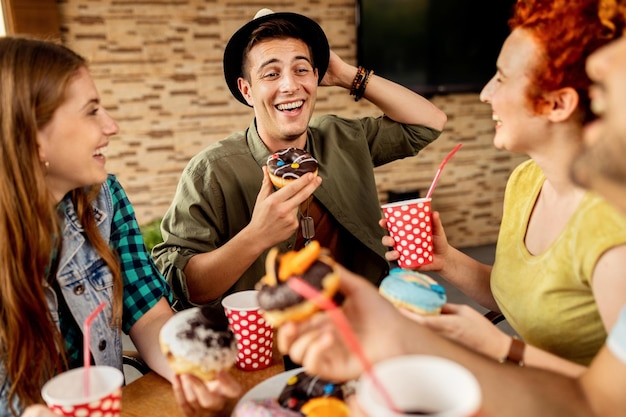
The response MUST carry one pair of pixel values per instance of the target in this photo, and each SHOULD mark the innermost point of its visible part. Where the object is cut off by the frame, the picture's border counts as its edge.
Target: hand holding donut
(275, 215)
(200, 348)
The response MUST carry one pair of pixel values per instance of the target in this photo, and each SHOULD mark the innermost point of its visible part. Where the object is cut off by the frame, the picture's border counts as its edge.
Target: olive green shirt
(218, 190)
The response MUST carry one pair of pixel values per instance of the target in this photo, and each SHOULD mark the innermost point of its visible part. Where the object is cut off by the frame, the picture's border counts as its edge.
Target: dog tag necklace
(307, 224)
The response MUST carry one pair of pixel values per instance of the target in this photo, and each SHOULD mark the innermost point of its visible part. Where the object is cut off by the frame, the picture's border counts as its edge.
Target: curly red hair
(568, 31)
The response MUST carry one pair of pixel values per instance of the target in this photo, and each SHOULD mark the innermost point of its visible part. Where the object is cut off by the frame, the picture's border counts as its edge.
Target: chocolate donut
(290, 164)
(281, 297)
(302, 387)
(280, 303)
(197, 343)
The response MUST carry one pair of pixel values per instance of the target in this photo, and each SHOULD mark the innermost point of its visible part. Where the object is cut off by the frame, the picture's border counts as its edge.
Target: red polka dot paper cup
(66, 393)
(255, 338)
(410, 225)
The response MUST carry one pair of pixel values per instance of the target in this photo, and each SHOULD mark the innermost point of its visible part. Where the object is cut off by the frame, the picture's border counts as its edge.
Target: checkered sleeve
(144, 285)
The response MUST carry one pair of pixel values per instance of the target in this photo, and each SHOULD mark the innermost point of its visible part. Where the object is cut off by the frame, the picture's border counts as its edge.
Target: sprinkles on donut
(289, 164)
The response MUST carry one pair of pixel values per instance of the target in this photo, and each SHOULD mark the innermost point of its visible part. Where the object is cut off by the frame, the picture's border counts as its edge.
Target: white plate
(270, 388)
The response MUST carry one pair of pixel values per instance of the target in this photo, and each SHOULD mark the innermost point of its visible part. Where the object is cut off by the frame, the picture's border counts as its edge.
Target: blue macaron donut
(413, 291)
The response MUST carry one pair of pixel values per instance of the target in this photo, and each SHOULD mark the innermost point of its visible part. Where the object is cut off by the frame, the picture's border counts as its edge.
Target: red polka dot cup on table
(255, 338)
(410, 225)
(66, 395)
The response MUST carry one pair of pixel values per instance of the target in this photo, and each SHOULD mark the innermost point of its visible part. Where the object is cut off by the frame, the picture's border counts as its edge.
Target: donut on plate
(302, 387)
(278, 302)
(289, 164)
(199, 344)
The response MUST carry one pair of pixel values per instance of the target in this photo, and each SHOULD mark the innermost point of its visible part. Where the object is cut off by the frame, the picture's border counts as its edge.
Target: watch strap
(516, 352)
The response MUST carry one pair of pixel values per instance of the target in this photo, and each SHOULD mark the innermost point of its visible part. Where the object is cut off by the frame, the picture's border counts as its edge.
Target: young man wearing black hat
(226, 214)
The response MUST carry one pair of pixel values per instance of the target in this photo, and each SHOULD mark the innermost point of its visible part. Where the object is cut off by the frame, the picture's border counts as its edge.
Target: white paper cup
(431, 385)
(255, 337)
(410, 225)
(65, 393)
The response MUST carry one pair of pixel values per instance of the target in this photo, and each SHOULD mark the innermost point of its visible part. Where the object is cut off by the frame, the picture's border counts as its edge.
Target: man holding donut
(226, 214)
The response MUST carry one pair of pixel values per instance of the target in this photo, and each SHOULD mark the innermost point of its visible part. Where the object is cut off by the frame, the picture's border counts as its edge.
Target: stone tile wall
(157, 64)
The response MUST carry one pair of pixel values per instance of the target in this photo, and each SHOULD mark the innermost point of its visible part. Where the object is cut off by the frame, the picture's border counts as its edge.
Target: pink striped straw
(86, 349)
(443, 163)
(307, 291)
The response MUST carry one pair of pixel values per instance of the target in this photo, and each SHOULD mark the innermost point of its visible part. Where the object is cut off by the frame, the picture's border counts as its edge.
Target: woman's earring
(46, 164)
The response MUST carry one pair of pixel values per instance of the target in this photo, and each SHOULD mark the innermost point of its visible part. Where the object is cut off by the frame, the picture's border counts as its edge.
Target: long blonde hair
(33, 78)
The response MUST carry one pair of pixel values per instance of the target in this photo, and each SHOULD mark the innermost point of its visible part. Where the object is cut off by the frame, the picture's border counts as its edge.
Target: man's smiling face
(282, 89)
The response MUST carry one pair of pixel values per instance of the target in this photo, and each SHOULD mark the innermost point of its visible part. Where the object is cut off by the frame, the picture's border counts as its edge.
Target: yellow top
(548, 298)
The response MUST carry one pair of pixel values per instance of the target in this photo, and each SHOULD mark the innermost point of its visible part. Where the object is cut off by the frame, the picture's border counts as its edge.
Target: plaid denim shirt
(143, 284)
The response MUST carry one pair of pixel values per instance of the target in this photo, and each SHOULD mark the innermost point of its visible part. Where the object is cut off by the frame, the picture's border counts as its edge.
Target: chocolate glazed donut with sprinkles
(303, 387)
(289, 164)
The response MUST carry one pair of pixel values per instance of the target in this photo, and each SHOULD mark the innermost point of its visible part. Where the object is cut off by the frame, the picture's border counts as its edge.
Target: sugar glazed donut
(313, 264)
(196, 343)
(289, 164)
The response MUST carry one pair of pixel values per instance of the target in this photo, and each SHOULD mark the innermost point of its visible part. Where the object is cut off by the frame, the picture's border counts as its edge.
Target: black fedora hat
(312, 34)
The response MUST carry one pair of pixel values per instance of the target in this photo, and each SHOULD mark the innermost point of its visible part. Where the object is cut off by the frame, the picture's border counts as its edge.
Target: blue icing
(413, 288)
(280, 163)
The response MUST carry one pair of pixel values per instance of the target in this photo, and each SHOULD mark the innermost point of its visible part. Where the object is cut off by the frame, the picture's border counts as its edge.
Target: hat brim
(313, 35)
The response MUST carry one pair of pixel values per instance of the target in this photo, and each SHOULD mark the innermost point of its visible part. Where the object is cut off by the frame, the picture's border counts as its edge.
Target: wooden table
(152, 395)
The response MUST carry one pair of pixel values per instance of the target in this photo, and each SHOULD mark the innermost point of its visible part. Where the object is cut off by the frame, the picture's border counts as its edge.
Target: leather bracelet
(516, 352)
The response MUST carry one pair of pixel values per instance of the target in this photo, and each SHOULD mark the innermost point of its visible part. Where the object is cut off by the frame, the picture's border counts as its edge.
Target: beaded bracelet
(359, 83)
(361, 89)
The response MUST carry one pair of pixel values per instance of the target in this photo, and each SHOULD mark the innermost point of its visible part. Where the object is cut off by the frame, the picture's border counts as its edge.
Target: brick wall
(157, 64)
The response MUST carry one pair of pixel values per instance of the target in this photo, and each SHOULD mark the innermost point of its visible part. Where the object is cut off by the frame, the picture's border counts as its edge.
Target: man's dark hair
(274, 29)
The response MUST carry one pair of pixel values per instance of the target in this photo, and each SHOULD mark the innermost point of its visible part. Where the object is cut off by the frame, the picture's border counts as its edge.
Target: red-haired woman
(558, 275)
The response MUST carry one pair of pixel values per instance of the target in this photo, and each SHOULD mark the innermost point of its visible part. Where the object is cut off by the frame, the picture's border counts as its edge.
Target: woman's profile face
(73, 143)
(517, 124)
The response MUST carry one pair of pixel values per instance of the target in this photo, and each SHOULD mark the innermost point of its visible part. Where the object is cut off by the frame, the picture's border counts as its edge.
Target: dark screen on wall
(438, 46)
